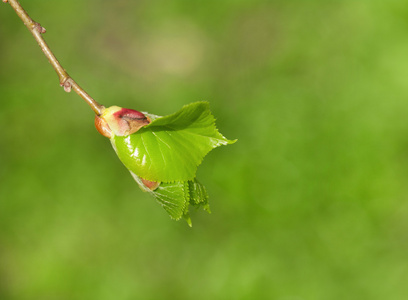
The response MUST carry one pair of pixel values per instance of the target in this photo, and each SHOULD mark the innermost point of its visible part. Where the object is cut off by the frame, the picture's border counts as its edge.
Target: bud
(151, 185)
(120, 121)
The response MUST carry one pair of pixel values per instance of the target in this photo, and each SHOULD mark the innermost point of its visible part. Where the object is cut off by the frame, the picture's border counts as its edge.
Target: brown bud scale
(103, 127)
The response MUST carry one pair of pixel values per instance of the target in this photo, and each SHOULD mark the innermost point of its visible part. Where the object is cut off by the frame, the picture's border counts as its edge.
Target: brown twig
(65, 80)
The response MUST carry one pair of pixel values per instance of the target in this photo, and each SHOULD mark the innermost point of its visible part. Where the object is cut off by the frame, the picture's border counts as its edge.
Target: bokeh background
(311, 203)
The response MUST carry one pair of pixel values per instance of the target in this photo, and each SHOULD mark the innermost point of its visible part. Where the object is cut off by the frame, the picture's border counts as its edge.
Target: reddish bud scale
(151, 185)
(129, 120)
(129, 113)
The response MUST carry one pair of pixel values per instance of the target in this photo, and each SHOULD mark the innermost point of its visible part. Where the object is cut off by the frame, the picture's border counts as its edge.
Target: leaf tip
(188, 220)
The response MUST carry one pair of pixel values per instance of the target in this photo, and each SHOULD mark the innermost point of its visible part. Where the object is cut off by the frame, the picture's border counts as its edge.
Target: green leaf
(198, 194)
(170, 148)
(173, 197)
(176, 197)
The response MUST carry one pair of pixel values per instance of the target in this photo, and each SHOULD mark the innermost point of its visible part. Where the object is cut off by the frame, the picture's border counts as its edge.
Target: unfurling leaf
(163, 153)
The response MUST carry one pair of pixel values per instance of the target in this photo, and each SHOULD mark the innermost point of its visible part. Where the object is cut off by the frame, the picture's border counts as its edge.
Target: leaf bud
(120, 121)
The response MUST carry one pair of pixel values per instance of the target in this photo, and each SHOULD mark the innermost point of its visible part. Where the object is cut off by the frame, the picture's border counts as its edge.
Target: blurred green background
(311, 203)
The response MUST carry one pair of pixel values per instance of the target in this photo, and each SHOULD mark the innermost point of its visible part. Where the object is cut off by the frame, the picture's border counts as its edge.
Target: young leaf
(163, 153)
(171, 148)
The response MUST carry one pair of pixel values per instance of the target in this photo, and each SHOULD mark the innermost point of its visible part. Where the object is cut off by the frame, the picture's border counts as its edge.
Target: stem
(65, 80)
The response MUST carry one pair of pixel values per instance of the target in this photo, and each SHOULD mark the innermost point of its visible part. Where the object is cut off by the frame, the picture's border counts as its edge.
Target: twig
(65, 80)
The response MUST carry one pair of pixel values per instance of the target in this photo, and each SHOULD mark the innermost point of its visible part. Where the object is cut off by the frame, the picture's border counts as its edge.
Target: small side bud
(39, 28)
(67, 85)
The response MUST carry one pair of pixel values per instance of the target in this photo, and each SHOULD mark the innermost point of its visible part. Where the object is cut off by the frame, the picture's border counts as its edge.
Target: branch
(65, 80)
